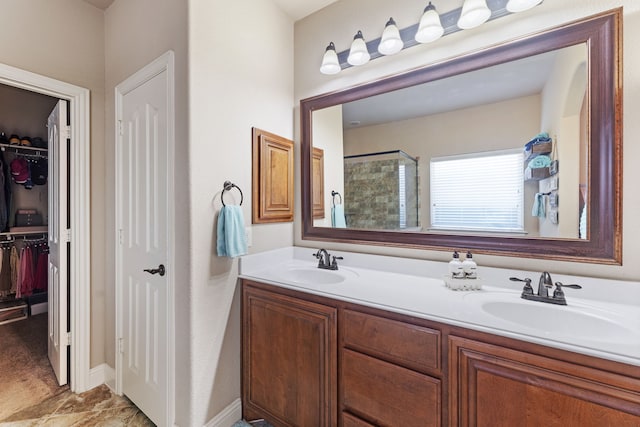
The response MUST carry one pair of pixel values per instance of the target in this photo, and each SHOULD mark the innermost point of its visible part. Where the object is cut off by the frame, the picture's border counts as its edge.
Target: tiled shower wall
(372, 193)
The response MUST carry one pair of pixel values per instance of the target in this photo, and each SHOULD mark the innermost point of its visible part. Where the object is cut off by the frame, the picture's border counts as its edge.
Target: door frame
(80, 212)
(165, 63)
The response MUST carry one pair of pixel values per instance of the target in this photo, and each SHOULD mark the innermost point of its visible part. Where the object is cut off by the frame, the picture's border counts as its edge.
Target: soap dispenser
(455, 267)
(469, 266)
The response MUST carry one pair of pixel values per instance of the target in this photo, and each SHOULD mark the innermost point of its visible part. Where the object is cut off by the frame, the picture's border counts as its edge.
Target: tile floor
(30, 396)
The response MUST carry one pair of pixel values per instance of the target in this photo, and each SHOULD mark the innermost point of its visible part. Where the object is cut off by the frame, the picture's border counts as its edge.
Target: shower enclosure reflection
(381, 191)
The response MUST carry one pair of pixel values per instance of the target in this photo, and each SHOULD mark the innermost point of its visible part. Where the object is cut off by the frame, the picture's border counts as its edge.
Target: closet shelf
(25, 150)
(24, 231)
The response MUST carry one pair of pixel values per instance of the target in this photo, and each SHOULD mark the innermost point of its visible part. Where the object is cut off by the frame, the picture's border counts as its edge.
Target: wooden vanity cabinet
(288, 359)
(495, 386)
(313, 361)
(389, 371)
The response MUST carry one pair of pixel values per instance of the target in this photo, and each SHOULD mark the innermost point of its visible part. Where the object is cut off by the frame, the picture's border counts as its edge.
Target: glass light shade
(390, 42)
(430, 28)
(330, 63)
(358, 54)
(514, 6)
(474, 13)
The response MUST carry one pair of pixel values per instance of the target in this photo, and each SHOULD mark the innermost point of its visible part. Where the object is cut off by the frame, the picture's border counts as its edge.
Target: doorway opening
(74, 230)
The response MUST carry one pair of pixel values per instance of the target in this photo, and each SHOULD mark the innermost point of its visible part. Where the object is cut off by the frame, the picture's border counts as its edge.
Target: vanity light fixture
(430, 28)
(474, 13)
(515, 6)
(330, 63)
(358, 54)
(390, 42)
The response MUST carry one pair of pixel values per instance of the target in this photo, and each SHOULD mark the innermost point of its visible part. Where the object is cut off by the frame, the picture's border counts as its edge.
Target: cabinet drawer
(409, 345)
(388, 395)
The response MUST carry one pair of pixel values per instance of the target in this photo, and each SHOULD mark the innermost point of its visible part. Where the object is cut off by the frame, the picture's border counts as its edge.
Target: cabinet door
(289, 360)
(492, 386)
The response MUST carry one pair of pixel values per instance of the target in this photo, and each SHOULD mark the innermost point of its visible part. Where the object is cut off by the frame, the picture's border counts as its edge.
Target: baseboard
(228, 416)
(101, 374)
(39, 308)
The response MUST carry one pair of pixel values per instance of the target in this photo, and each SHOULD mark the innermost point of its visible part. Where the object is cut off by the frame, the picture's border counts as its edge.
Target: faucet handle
(572, 286)
(558, 294)
(528, 289)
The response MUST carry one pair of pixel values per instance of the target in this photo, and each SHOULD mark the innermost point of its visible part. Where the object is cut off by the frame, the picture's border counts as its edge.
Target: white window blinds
(479, 191)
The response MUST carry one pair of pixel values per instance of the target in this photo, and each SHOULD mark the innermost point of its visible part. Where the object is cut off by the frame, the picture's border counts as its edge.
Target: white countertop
(602, 319)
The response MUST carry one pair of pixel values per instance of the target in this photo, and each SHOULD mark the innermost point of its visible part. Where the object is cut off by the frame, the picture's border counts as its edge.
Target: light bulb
(474, 13)
(330, 63)
(358, 54)
(390, 42)
(430, 28)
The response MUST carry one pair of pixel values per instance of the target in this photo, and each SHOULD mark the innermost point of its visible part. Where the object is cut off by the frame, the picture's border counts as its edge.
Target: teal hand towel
(538, 206)
(337, 217)
(230, 241)
(540, 162)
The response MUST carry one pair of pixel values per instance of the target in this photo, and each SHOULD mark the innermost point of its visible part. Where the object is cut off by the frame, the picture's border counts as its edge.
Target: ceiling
(100, 4)
(296, 9)
(493, 84)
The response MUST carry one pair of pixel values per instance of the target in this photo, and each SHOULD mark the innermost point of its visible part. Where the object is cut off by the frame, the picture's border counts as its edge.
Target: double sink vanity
(383, 341)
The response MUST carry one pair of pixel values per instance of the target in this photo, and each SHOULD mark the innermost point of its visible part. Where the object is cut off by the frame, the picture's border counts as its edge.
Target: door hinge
(65, 132)
(120, 131)
(68, 338)
(66, 235)
(121, 345)
(120, 236)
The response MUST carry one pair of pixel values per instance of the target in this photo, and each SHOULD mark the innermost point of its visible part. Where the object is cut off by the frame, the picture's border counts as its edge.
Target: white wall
(241, 76)
(497, 126)
(136, 33)
(328, 136)
(64, 40)
(339, 21)
(561, 119)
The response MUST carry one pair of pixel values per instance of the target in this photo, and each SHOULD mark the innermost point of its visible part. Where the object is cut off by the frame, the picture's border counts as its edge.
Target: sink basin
(590, 324)
(312, 275)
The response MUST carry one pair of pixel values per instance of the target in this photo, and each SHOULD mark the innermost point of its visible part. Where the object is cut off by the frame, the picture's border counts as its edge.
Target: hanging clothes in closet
(5, 192)
(23, 271)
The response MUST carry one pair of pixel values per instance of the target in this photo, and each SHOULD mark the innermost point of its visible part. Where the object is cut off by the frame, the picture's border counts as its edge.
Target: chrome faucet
(544, 284)
(326, 261)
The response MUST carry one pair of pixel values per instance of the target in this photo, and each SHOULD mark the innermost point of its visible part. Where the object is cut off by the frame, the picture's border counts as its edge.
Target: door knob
(160, 270)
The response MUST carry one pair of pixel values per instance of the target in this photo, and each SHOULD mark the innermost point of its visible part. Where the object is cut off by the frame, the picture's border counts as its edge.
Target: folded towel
(538, 139)
(231, 239)
(541, 161)
(337, 217)
(538, 206)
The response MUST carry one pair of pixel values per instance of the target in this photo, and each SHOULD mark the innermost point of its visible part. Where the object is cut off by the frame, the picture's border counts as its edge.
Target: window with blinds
(478, 191)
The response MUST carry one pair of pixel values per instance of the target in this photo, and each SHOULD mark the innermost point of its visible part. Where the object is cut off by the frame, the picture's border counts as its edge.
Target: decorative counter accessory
(456, 270)
(462, 284)
(469, 266)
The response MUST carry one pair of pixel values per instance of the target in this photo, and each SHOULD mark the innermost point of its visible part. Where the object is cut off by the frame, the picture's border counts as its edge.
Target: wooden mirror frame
(602, 35)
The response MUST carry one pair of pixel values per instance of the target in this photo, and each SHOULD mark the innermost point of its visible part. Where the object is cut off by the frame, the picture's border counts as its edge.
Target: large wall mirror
(513, 150)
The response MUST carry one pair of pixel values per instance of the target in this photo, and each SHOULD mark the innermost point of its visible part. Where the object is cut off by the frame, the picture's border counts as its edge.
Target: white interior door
(144, 215)
(58, 337)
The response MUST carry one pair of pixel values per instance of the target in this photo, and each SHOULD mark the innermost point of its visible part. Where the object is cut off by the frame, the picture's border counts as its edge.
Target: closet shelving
(24, 150)
(15, 309)
(27, 151)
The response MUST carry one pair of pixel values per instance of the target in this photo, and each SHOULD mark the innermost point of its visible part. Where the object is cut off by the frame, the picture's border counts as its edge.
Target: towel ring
(333, 195)
(227, 186)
